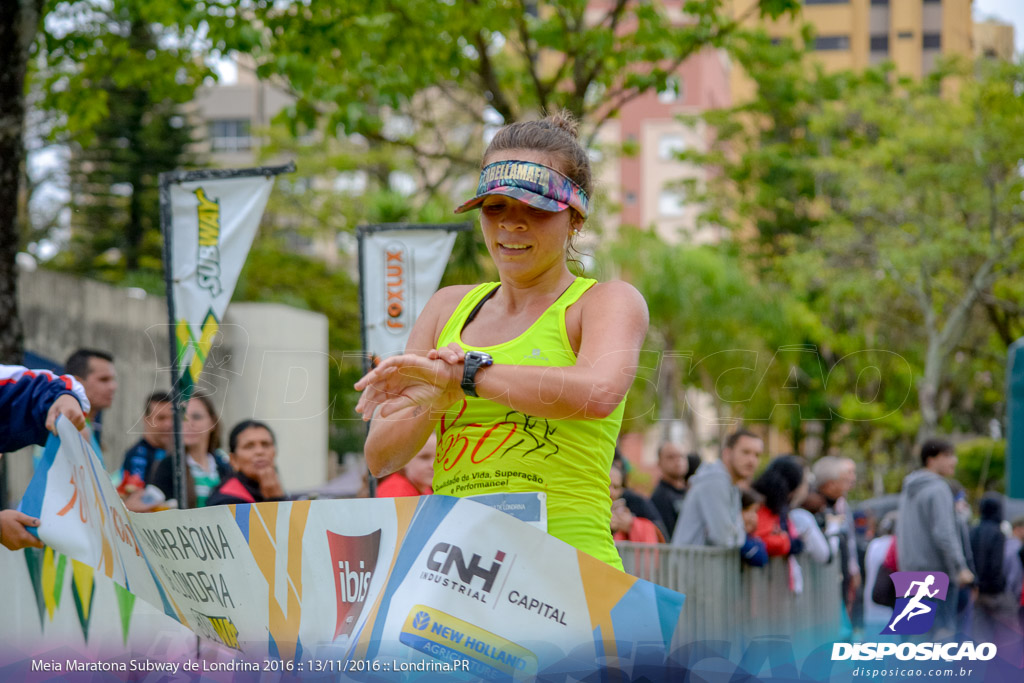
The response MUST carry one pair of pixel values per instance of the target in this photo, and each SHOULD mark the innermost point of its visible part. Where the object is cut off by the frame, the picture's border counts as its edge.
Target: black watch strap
(474, 361)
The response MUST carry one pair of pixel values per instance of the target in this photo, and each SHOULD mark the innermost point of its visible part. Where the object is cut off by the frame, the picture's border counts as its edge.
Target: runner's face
(524, 241)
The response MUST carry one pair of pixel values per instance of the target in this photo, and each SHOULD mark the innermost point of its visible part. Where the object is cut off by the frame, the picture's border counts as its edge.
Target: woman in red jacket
(782, 482)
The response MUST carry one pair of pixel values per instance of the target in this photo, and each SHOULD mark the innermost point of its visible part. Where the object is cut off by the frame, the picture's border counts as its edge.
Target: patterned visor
(533, 184)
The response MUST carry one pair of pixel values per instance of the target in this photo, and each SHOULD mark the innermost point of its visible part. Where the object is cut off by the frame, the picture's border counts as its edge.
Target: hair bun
(564, 120)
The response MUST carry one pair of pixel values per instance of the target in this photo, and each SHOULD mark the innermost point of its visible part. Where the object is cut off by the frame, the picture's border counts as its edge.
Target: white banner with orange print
(400, 270)
(447, 583)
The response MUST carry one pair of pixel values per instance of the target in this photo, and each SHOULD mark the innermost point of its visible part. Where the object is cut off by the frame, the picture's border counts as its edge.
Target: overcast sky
(1009, 11)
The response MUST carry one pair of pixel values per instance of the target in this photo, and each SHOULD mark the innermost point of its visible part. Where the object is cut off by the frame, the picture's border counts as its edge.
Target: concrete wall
(270, 362)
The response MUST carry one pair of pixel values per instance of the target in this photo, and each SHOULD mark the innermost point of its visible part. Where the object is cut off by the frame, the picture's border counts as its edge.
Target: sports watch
(474, 361)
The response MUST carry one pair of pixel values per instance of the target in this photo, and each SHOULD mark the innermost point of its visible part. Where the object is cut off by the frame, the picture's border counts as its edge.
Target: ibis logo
(354, 561)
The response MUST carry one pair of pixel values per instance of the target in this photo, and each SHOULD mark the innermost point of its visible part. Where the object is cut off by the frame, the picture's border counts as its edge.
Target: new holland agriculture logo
(914, 613)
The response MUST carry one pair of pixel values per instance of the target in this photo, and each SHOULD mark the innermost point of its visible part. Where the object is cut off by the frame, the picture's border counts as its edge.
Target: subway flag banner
(400, 268)
(439, 581)
(213, 220)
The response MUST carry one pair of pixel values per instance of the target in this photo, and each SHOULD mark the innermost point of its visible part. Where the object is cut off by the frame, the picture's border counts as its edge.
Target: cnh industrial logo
(917, 601)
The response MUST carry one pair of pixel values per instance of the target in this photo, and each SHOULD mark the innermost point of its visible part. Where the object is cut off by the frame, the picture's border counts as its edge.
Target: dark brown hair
(556, 134)
(214, 442)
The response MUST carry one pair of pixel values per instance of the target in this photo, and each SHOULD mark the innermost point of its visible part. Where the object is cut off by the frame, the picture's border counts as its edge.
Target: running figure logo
(914, 613)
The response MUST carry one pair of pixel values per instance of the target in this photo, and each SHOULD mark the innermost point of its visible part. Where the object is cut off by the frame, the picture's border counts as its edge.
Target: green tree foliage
(712, 328)
(115, 76)
(981, 465)
(423, 74)
(892, 209)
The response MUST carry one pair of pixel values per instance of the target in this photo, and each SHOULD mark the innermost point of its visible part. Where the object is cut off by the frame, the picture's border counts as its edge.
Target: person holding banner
(523, 379)
(30, 403)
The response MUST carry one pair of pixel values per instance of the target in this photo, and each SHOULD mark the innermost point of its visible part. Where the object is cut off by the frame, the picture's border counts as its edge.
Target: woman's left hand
(411, 380)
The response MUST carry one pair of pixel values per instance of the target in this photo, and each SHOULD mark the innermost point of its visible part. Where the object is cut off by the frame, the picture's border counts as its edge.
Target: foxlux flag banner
(213, 222)
(448, 584)
(401, 267)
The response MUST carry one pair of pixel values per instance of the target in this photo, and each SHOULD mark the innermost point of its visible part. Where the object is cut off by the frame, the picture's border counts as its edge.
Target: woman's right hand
(410, 380)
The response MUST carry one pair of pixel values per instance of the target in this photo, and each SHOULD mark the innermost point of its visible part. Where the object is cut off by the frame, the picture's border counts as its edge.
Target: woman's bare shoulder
(615, 293)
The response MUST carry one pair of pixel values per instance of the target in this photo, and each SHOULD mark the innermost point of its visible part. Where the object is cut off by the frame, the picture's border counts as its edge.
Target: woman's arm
(613, 326)
(396, 436)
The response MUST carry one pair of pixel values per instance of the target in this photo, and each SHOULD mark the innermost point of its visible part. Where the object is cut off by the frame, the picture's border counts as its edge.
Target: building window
(880, 43)
(879, 2)
(230, 135)
(671, 203)
(673, 90)
(905, 35)
(932, 2)
(832, 43)
(931, 40)
(670, 144)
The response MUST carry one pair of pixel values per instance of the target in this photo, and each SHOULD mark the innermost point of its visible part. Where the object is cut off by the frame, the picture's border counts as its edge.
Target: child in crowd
(754, 551)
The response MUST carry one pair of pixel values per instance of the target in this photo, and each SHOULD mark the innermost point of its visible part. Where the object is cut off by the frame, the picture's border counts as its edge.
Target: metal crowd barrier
(726, 600)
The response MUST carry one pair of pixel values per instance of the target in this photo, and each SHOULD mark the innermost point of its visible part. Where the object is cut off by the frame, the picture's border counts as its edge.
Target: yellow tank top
(485, 447)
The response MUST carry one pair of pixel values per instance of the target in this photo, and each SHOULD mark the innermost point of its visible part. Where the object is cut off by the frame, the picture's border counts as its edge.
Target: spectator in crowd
(711, 510)
(1013, 560)
(638, 505)
(926, 531)
(877, 616)
(415, 478)
(625, 525)
(693, 461)
(30, 403)
(821, 545)
(95, 369)
(783, 480)
(962, 507)
(671, 489)
(207, 466)
(157, 437)
(834, 477)
(754, 552)
(994, 607)
(253, 452)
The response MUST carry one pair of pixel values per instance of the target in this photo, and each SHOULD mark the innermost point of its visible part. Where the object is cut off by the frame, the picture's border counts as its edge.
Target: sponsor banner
(351, 580)
(213, 222)
(400, 270)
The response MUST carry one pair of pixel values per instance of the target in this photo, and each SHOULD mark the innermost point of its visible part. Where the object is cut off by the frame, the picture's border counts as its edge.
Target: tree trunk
(19, 22)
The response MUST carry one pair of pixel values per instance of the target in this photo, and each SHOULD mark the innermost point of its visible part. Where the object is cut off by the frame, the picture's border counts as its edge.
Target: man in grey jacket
(927, 538)
(711, 511)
